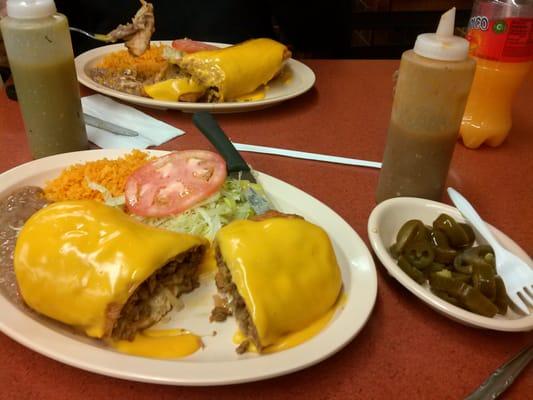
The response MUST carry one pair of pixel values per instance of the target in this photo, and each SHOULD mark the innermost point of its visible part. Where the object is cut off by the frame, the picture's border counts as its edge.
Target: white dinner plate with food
(386, 220)
(216, 363)
(295, 79)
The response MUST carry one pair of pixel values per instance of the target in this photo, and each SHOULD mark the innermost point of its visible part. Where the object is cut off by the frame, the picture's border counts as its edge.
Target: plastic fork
(95, 36)
(515, 272)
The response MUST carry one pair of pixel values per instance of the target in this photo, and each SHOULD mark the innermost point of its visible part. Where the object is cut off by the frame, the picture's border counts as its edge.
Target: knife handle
(212, 131)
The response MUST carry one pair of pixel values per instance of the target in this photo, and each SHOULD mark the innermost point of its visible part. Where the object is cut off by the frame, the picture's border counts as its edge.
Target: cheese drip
(173, 89)
(236, 70)
(208, 265)
(286, 271)
(257, 94)
(75, 259)
(298, 337)
(167, 343)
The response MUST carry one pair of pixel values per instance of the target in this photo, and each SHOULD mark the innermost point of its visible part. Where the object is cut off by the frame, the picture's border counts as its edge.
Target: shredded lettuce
(206, 218)
(109, 199)
(212, 214)
(171, 54)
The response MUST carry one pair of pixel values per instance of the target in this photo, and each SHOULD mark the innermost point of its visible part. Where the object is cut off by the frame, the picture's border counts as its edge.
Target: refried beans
(15, 210)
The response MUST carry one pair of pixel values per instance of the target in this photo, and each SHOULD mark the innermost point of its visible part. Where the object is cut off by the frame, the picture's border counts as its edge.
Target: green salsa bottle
(39, 51)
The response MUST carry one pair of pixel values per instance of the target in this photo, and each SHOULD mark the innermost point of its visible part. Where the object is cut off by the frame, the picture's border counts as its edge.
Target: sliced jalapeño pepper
(483, 279)
(501, 300)
(490, 259)
(441, 246)
(407, 233)
(469, 232)
(413, 272)
(470, 297)
(436, 267)
(420, 254)
(466, 278)
(457, 272)
(395, 253)
(460, 265)
(445, 296)
(474, 255)
(457, 235)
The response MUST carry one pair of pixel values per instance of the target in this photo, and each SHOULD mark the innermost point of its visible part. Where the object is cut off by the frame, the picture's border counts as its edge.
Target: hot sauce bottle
(433, 85)
(41, 59)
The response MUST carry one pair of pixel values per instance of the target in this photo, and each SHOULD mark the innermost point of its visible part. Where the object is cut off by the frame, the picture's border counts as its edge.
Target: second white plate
(301, 80)
(386, 220)
(217, 363)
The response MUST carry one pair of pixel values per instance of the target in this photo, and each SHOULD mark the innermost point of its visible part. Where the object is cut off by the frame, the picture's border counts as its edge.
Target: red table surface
(406, 350)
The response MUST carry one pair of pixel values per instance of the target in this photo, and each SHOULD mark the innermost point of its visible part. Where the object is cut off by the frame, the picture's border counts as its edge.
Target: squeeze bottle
(501, 39)
(433, 84)
(40, 55)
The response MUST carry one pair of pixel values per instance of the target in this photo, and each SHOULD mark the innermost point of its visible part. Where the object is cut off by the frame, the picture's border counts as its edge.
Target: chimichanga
(93, 267)
(223, 74)
(281, 274)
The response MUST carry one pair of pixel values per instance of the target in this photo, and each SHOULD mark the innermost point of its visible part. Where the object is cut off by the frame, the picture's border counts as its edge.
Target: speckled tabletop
(406, 350)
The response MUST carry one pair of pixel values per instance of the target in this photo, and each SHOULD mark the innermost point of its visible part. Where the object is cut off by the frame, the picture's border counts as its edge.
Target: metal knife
(89, 119)
(235, 164)
(108, 126)
(503, 377)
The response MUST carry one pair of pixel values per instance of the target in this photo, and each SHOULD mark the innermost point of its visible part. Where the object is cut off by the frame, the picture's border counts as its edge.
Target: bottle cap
(442, 45)
(27, 9)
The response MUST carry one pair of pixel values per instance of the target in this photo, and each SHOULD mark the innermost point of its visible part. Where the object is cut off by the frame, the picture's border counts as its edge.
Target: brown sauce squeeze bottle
(433, 85)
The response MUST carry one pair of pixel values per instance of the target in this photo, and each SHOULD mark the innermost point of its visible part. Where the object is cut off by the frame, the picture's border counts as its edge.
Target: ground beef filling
(155, 297)
(244, 319)
(221, 311)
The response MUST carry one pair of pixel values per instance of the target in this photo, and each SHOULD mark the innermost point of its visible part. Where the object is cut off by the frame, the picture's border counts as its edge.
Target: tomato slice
(174, 183)
(191, 46)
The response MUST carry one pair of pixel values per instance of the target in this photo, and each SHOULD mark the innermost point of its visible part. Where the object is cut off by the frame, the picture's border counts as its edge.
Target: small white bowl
(383, 224)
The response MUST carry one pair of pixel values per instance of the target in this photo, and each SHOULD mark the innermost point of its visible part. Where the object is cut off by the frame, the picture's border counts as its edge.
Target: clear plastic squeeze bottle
(433, 84)
(41, 59)
(501, 40)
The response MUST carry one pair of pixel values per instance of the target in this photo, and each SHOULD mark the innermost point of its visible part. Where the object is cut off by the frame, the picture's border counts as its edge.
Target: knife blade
(503, 377)
(108, 126)
(235, 164)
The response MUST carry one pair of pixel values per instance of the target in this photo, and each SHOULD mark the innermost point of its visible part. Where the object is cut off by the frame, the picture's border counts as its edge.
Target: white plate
(383, 225)
(302, 79)
(217, 363)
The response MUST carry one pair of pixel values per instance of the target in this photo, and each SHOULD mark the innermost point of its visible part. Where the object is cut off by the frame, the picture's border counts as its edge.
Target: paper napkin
(152, 132)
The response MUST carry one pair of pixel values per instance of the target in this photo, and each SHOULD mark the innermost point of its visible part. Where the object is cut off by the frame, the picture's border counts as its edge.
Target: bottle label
(501, 39)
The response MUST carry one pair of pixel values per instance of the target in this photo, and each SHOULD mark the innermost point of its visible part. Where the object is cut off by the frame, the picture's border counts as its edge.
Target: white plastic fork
(515, 273)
